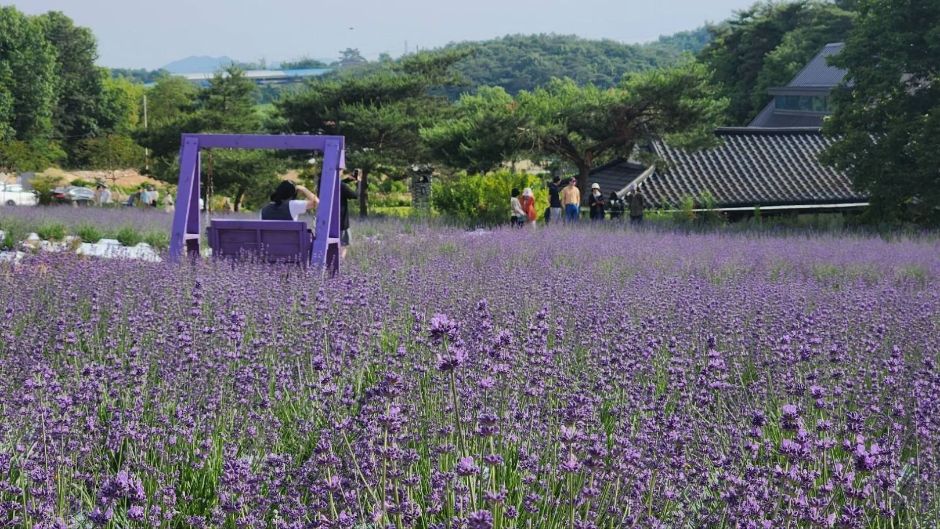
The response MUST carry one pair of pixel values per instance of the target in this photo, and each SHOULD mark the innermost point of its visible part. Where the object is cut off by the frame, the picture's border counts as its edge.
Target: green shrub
(128, 236)
(52, 231)
(160, 240)
(484, 198)
(711, 216)
(14, 230)
(43, 185)
(685, 214)
(88, 233)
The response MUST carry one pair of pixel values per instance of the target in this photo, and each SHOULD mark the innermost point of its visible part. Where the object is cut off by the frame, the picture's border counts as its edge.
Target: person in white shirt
(284, 204)
(518, 214)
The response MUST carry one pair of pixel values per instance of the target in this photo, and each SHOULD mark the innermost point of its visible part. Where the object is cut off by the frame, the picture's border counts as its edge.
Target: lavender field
(551, 378)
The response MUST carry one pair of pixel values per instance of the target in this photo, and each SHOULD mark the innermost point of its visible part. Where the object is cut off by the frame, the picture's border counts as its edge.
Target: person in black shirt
(596, 202)
(637, 204)
(345, 194)
(615, 205)
(554, 201)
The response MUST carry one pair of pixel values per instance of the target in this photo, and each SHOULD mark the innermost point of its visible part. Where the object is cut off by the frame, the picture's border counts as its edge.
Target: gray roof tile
(752, 167)
(818, 72)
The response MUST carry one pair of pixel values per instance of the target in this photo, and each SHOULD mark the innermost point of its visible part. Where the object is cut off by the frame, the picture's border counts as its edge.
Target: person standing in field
(347, 193)
(554, 200)
(143, 197)
(616, 206)
(571, 201)
(596, 202)
(517, 214)
(528, 206)
(637, 205)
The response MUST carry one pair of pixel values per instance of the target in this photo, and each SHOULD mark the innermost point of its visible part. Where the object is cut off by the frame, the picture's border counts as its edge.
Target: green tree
(169, 100)
(228, 105)
(120, 109)
(526, 62)
(482, 133)
(239, 172)
(303, 63)
(109, 151)
(380, 115)
(886, 123)
(172, 109)
(27, 77)
(79, 90)
(821, 24)
(350, 57)
(755, 49)
(586, 125)
(33, 155)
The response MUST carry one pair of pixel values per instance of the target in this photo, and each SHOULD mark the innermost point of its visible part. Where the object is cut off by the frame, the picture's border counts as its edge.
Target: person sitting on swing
(284, 204)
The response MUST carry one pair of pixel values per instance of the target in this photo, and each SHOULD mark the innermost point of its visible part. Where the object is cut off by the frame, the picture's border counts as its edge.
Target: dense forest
(525, 62)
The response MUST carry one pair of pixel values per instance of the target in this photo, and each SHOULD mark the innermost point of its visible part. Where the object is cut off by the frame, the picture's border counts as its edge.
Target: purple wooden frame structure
(185, 231)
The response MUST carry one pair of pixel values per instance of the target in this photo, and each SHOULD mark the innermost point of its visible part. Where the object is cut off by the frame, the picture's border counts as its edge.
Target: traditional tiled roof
(818, 78)
(615, 176)
(752, 167)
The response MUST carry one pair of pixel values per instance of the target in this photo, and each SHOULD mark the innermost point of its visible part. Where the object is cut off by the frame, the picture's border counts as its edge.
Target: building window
(803, 103)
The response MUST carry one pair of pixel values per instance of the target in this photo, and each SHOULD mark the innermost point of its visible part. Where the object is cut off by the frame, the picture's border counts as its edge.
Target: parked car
(16, 195)
(81, 196)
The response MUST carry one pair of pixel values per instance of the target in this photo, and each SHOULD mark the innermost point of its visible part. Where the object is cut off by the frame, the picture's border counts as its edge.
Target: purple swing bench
(273, 241)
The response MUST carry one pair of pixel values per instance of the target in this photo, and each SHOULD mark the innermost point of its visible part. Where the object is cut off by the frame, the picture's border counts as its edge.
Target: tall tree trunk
(238, 198)
(584, 173)
(364, 194)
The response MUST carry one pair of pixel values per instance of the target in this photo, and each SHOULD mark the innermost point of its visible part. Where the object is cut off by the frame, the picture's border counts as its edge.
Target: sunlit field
(579, 377)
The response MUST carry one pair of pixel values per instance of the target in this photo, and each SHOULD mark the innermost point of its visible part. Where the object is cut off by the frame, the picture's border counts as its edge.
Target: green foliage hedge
(484, 198)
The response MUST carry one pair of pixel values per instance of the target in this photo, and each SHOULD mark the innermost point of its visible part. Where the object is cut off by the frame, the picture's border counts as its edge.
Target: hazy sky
(151, 33)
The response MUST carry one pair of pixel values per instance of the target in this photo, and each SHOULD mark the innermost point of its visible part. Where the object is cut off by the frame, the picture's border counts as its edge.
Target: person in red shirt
(528, 205)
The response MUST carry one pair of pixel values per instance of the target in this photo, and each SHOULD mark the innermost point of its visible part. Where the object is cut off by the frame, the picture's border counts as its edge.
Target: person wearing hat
(571, 200)
(596, 202)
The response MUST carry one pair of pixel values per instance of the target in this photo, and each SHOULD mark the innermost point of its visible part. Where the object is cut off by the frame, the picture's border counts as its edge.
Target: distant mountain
(524, 62)
(200, 64)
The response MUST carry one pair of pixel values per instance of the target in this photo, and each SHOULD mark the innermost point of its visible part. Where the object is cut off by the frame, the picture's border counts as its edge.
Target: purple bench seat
(281, 241)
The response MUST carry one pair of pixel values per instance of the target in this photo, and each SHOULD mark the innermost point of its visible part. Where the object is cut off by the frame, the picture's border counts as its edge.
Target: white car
(15, 195)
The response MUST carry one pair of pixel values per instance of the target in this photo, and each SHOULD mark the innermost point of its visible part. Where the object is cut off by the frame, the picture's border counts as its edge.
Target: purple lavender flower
(480, 520)
(467, 467)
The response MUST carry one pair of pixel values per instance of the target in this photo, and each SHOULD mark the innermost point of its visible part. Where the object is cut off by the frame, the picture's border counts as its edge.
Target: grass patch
(157, 239)
(88, 233)
(128, 236)
(52, 231)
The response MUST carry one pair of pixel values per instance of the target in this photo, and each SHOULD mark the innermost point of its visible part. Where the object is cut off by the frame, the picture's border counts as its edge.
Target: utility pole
(146, 150)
